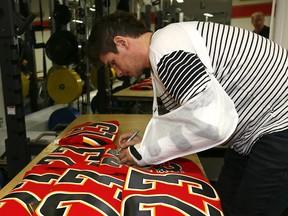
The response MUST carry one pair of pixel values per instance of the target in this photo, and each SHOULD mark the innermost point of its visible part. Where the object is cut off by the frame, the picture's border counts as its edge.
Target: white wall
(280, 23)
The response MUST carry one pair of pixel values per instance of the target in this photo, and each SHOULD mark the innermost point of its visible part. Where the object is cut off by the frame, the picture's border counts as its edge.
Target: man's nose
(118, 72)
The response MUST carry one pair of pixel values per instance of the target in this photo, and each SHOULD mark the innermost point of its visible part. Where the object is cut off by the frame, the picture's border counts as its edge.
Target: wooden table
(128, 94)
(128, 122)
(139, 97)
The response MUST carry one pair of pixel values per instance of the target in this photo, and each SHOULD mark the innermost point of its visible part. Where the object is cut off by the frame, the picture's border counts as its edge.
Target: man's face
(258, 22)
(125, 62)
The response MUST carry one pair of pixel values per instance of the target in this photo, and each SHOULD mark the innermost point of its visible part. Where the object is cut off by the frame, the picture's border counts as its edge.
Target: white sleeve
(205, 121)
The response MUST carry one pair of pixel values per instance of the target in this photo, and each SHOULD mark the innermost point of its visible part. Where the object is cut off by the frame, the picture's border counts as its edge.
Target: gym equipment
(25, 84)
(64, 85)
(62, 48)
(62, 14)
(62, 117)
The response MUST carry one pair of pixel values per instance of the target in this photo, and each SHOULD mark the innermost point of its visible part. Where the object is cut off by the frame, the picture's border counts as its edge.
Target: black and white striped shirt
(252, 69)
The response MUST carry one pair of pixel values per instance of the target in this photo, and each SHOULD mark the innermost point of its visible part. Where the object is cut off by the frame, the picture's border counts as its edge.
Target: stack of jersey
(83, 177)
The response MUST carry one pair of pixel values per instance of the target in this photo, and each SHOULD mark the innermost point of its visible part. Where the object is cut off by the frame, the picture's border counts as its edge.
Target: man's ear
(121, 41)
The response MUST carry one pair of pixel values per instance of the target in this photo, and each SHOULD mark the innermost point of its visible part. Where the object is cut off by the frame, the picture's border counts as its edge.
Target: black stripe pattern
(254, 73)
(183, 76)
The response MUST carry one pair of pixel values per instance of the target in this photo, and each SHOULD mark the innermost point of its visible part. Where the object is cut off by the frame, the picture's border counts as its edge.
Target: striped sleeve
(183, 75)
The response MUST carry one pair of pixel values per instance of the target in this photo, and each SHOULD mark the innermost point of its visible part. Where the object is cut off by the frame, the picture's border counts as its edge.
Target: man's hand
(124, 155)
(124, 137)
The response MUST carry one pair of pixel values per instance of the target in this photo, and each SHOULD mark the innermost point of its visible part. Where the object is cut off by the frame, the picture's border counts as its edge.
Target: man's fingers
(125, 157)
(126, 161)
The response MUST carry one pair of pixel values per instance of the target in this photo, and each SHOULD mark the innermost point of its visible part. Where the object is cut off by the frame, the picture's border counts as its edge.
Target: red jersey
(77, 178)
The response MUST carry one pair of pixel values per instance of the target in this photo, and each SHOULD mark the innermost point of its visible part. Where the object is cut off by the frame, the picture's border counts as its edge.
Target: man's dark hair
(104, 30)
